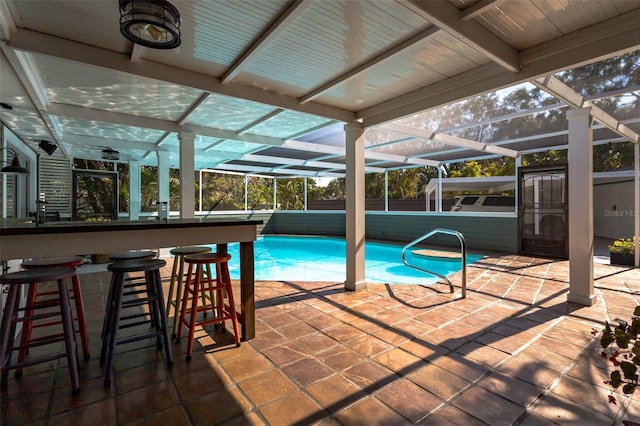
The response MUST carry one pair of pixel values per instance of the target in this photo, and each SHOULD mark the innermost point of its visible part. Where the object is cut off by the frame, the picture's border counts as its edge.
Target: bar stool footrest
(35, 361)
(41, 341)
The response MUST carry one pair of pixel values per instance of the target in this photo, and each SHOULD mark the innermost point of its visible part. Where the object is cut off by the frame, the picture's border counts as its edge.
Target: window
(500, 201)
(468, 201)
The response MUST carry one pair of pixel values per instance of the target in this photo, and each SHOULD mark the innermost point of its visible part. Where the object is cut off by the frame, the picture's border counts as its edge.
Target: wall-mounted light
(14, 167)
(47, 146)
(150, 23)
(110, 154)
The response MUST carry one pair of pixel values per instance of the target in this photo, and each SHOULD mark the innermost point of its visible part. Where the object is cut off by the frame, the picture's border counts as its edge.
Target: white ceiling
(267, 86)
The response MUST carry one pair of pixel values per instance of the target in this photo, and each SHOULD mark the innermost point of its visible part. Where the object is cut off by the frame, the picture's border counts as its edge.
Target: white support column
(246, 193)
(163, 177)
(516, 184)
(581, 206)
(439, 191)
(386, 191)
(355, 213)
(275, 193)
(200, 191)
(636, 205)
(305, 195)
(187, 175)
(135, 193)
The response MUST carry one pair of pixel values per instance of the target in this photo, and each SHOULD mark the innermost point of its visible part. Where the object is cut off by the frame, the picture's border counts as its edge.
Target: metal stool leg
(82, 325)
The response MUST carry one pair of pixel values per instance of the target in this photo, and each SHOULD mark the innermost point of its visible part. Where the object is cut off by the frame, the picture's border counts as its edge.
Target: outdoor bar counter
(21, 240)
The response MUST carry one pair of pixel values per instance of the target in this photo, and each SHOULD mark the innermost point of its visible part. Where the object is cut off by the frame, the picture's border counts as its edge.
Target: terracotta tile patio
(513, 353)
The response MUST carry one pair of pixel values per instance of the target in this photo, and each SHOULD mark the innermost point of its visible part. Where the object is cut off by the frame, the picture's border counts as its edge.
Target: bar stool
(33, 294)
(197, 283)
(177, 279)
(11, 317)
(131, 281)
(132, 255)
(151, 296)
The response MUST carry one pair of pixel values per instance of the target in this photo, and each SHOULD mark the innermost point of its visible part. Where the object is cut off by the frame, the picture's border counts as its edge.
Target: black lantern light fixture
(14, 167)
(110, 154)
(150, 23)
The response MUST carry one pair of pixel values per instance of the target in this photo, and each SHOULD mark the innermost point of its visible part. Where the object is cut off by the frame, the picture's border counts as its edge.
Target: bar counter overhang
(21, 240)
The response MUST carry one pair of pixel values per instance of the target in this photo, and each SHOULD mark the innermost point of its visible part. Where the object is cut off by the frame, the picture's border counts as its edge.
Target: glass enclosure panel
(222, 192)
(124, 205)
(374, 187)
(174, 190)
(290, 193)
(148, 189)
(259, 193)
(407, 189)
(330, 196)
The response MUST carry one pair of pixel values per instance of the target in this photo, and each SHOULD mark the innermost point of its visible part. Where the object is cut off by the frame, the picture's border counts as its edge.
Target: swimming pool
(309, 258)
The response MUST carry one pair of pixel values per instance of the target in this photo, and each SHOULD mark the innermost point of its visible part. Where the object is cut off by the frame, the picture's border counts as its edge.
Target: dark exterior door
(543, 211)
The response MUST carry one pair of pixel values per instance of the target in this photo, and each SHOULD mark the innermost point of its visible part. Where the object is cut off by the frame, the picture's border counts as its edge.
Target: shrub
(623, 245)
(622, 348)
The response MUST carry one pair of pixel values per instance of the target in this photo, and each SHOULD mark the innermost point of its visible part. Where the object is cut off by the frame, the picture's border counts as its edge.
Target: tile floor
(513, 353)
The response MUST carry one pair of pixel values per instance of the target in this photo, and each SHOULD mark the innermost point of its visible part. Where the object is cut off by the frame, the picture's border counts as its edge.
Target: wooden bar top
(16, 227)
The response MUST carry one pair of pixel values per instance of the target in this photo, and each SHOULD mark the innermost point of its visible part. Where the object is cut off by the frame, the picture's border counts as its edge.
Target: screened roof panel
(104, 130)
(597, 79)
(253, 163)
(225, 112)
(233, 146)
(411, 147)
(101, 89)
(290, 153)
(288, 123)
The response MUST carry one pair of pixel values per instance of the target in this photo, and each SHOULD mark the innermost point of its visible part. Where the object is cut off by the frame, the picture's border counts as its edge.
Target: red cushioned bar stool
(13, 315)
(195, 284)
(34, 295)
(176, 288)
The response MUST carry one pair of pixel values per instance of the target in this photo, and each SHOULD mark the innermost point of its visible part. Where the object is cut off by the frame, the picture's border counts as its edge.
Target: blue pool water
(305, 258)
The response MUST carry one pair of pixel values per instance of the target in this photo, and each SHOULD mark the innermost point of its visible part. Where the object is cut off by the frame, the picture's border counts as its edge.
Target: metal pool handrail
(463, 256)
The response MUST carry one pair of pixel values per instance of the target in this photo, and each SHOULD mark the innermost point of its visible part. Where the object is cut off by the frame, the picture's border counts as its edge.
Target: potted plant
(622, 252)
(621, 347)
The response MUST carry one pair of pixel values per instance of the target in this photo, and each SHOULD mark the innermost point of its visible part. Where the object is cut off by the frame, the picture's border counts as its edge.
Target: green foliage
(290, 193)
(621, 348)
(623, 245)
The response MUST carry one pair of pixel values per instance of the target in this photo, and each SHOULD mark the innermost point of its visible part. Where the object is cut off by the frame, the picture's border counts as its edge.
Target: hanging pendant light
(154, 24)
(14, 167)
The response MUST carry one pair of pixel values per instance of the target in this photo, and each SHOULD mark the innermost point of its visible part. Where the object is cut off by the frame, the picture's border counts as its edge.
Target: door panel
(543, 211)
